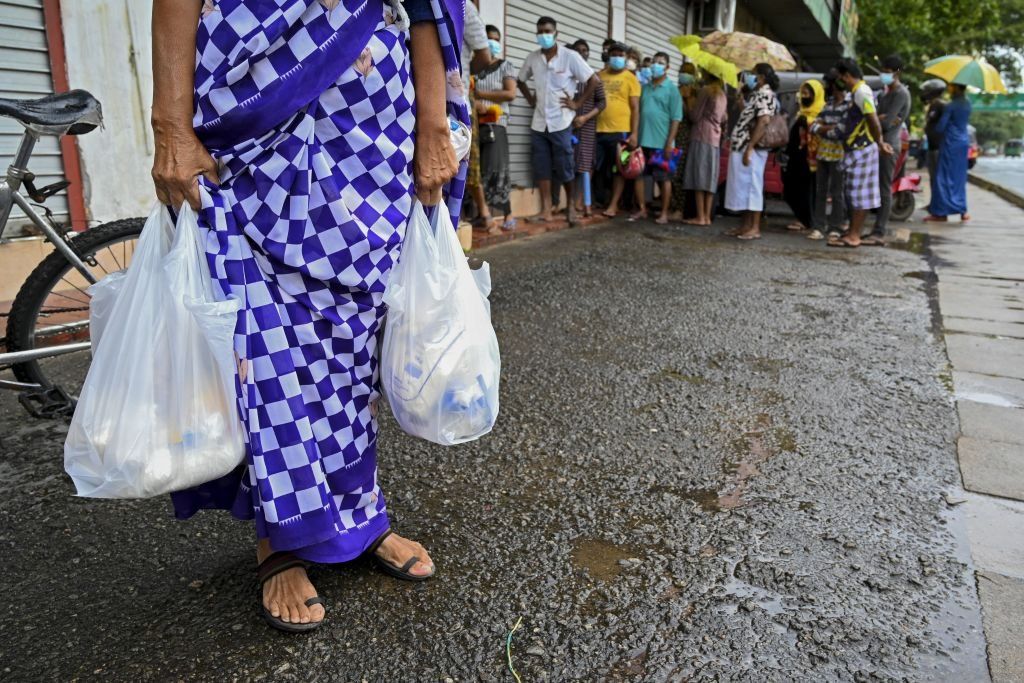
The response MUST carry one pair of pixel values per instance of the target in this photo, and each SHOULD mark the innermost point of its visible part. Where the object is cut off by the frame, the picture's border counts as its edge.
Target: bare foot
(285, 594)
(694, 221)
(396, 551)
(661, 220)
(610, 213)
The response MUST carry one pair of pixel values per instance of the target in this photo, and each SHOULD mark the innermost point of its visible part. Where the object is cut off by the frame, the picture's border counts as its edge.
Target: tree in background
(920, 30)
(996, 127)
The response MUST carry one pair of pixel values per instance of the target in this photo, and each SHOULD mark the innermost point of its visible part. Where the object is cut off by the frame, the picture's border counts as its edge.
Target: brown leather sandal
(272, 566)
(393, 569)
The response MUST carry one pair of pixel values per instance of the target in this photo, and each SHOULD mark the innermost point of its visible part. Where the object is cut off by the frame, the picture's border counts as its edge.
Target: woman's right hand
(179, 160)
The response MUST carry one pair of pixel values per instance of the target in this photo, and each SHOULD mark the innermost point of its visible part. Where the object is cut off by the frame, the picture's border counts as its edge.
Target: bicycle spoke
(69, 298)
(113, 256)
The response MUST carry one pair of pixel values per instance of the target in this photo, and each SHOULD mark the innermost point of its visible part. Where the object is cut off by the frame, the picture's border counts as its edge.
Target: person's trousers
(886, 170)
(933, 170)
(828, 181)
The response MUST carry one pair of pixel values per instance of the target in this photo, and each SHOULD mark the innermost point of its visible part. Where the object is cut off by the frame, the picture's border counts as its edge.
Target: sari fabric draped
(308, 107)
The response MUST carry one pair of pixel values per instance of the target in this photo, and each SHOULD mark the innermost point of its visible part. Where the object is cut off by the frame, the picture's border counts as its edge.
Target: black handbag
(487, 134)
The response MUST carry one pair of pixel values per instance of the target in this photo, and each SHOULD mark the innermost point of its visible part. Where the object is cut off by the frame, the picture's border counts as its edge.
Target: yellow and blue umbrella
(690, 47)
(966, 70)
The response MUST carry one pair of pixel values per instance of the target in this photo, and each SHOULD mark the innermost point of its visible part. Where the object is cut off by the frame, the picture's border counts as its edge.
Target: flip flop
(872, 242)
(747, 238)
(636, 217)
(393, 569)
(841, 242)
(271, 567)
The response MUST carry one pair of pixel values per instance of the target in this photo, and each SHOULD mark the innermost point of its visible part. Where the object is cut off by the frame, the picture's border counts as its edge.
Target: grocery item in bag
(157, 412)
(440, 363)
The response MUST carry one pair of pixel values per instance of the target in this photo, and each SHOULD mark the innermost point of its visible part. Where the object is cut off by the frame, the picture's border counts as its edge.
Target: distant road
(1006, 172)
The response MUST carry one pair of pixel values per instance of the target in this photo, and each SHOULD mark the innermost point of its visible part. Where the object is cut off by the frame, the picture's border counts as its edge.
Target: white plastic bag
(439, 363)
(157, 411)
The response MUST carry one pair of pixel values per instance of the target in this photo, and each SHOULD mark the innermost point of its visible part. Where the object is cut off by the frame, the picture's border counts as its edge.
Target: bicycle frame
(10, 196)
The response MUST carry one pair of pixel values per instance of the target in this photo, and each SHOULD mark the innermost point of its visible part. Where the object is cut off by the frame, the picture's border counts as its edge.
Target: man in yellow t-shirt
(619, 122)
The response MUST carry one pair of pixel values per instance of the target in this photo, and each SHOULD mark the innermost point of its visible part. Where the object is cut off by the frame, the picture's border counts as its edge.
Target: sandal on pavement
(872, 241)
(271, 567)
(841, 242)
(746, 237)
(393, 569)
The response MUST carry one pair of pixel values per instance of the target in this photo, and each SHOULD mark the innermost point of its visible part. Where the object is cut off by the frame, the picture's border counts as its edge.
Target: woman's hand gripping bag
(440, 364)
(157, 412)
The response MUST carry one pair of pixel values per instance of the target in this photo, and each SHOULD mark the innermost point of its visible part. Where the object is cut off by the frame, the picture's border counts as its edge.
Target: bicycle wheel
(52, 307)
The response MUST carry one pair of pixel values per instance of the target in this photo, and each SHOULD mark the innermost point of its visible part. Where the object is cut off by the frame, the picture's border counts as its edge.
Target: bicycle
(48, 324)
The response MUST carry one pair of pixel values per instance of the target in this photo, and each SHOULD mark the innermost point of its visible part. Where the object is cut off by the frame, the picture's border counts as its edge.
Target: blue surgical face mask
(645, 71)
(750, 80)
(887, 79)
(495, 47)
(617, 62)
(658, 69)
(686, 79)
(546, 40)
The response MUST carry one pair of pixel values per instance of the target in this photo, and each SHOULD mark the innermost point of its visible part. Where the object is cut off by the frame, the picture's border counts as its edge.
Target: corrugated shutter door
(25, 74)
(587, 19)
(649, 25)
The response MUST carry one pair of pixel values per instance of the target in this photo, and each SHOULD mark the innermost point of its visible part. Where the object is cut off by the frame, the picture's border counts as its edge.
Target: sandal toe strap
(316, 600)
(410, 564)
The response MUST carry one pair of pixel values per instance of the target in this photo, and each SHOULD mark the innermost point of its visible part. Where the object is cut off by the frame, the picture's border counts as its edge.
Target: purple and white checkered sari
(308, 107)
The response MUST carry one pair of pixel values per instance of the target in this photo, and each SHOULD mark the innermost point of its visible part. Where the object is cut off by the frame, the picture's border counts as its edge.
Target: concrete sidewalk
(980, 268)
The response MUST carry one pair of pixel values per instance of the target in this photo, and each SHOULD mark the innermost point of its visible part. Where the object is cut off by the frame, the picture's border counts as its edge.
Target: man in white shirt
(557, 74)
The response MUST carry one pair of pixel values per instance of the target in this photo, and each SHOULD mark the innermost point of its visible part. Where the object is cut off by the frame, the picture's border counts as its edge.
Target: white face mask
(631, 64)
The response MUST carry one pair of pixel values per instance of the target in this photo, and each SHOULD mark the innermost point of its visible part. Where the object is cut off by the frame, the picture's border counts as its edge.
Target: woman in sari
(289, 125)
(949, 193)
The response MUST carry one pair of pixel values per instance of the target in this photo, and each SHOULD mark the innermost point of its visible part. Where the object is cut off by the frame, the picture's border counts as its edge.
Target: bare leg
(618, 183)
(570, 203)
(709, 200)
(285, 594)
(638, 191)
(544, 187)
(666, 198)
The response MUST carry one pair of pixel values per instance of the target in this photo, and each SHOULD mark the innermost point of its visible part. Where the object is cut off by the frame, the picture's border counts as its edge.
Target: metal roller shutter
(25, 74)
(587, 19)
(649, 25)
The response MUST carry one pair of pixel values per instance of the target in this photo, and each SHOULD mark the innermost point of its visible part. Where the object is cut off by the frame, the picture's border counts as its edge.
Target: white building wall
(108, 53)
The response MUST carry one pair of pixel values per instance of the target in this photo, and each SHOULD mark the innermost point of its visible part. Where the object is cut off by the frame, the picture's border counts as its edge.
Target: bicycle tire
(21, 323)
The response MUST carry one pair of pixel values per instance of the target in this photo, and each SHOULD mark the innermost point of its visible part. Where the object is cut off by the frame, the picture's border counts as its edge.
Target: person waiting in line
(476, 54)
(932, 91)
(633, 62)
(893, 113)
(709, 116)
(557, 75)
(798, 176)
(495, 90)
(585, 127)
(828, 173)
(862, 140)
(661, 110)
(619, 122)
(643, 74)
(744, 189)
(950, 196)
(683, 204)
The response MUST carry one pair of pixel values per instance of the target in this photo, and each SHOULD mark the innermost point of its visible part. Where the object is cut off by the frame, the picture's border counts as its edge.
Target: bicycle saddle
(72, 113)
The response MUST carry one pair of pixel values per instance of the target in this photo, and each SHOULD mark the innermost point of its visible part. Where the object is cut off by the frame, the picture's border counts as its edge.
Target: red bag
(633, 165)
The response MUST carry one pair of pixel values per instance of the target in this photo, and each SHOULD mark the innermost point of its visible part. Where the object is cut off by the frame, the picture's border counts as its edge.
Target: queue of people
(623, 136)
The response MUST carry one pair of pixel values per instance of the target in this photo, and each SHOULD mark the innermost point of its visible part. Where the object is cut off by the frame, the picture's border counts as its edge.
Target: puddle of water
(752, 453)
(772, 602)
(600, 558)
(920, 275)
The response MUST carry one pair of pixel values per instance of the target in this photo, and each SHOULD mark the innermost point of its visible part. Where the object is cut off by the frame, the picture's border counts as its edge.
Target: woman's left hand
(746, 157)
(434, 164)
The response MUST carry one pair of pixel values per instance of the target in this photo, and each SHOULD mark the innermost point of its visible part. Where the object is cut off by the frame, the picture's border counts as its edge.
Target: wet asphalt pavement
(715, 461)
